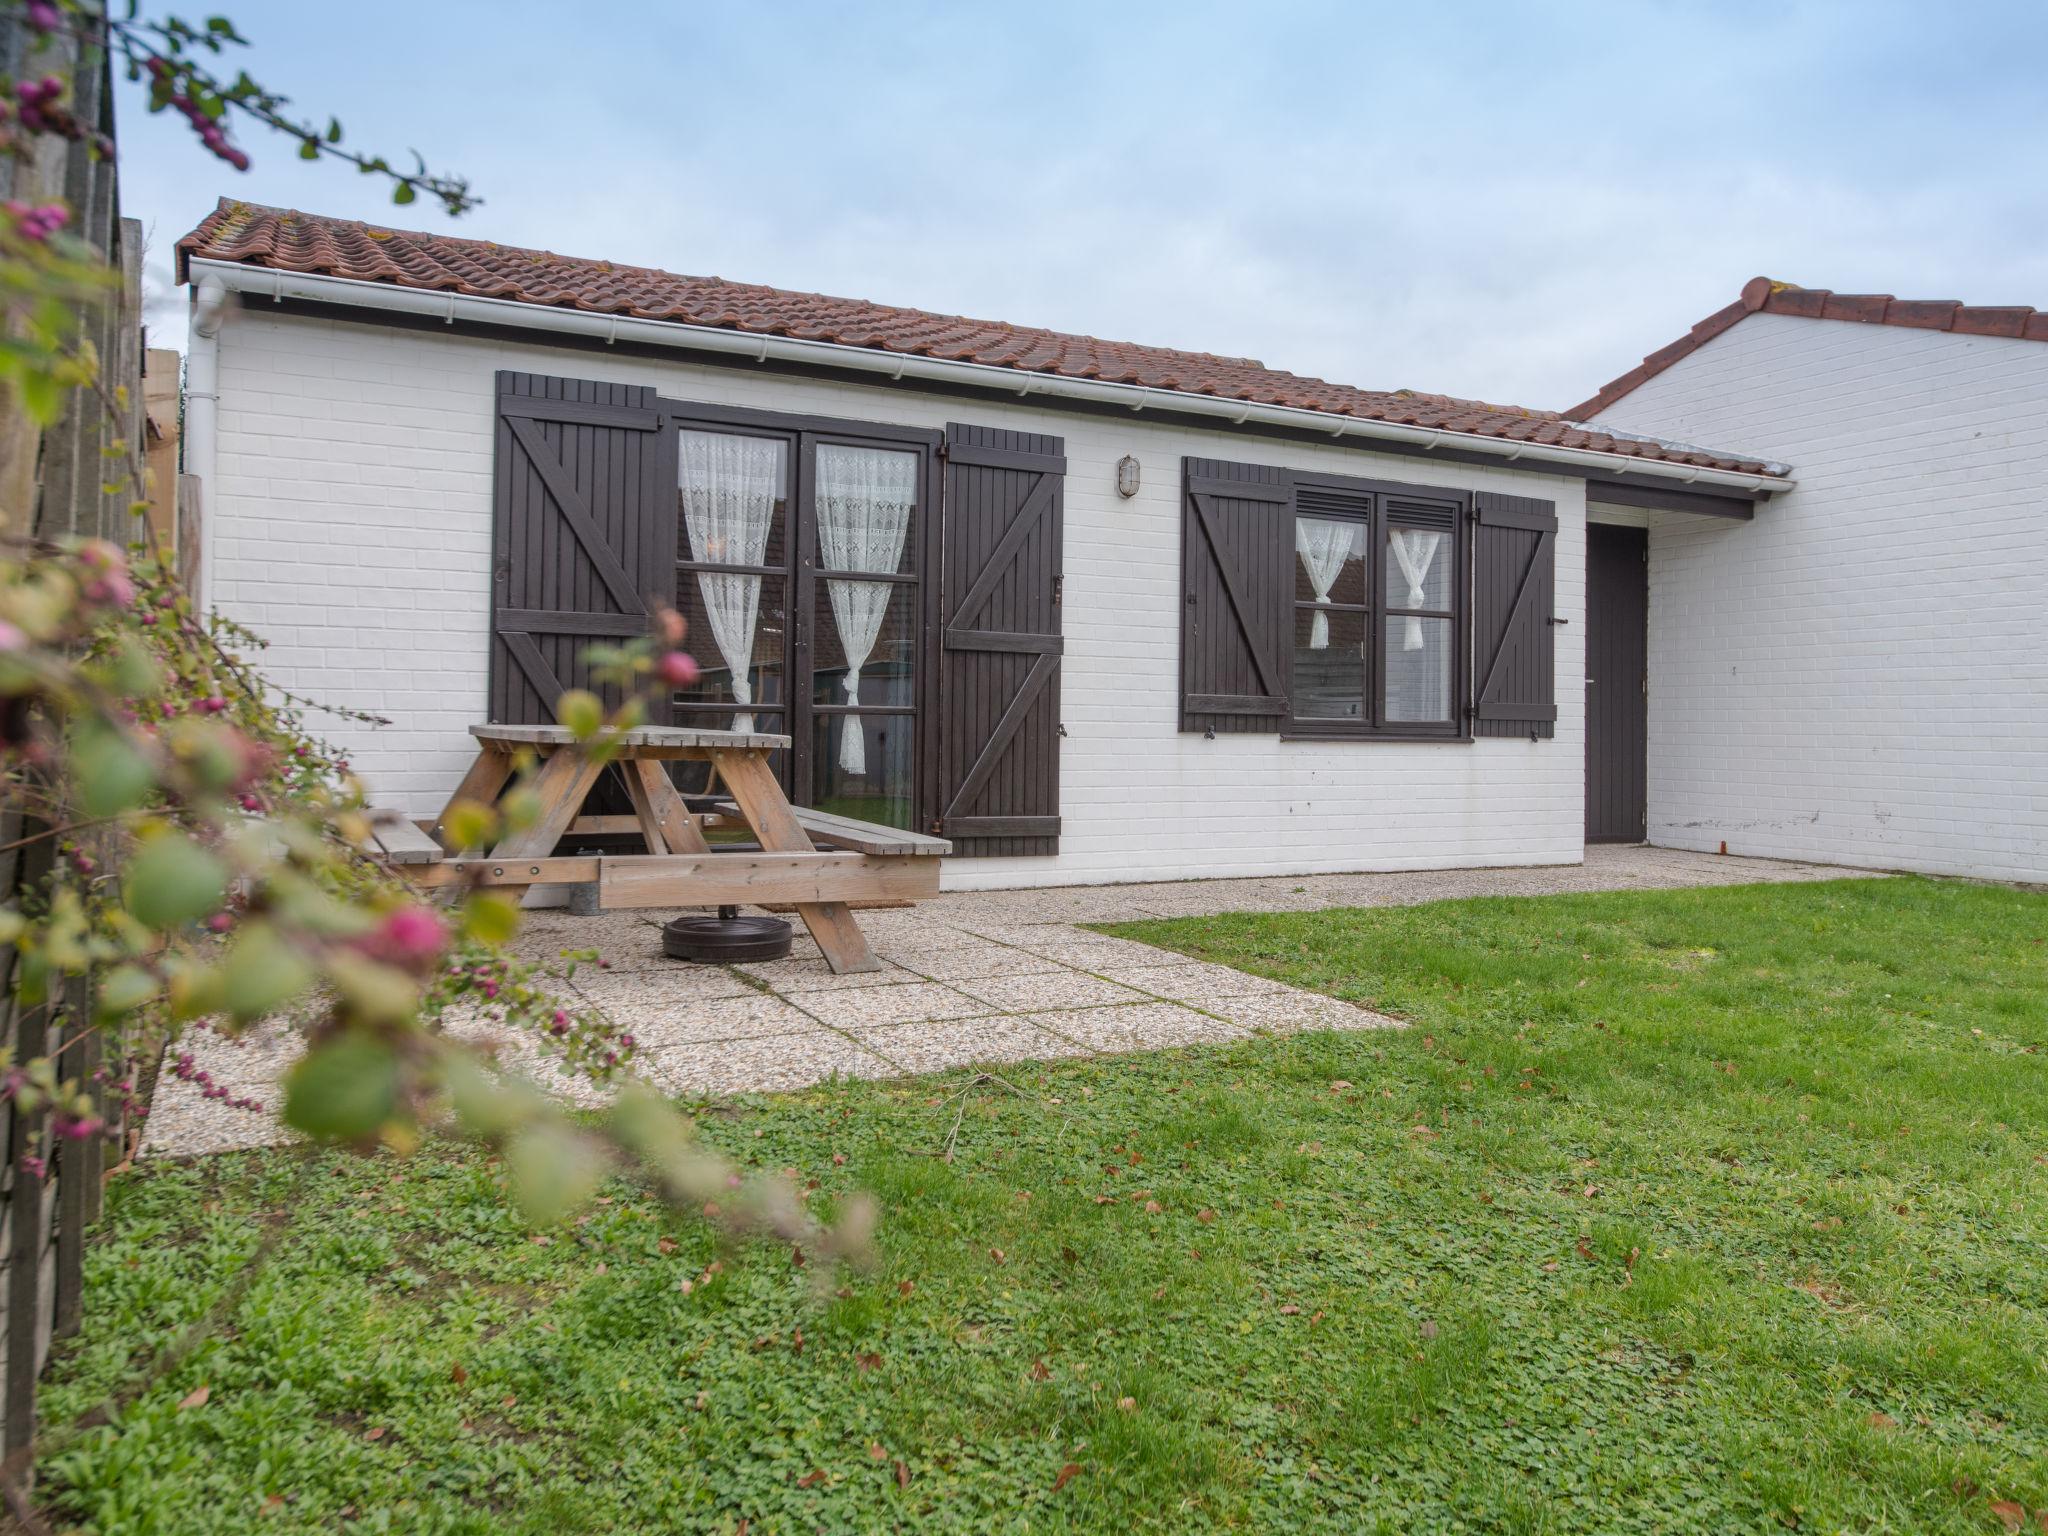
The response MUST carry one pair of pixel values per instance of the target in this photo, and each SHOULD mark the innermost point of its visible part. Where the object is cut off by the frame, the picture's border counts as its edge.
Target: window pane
(719, 609)
(1418, 671)
(733, 493)
(864, 642)
(1329, 665)
(861, 766)
(867, 503)
(1419, 568)
(1329, 560)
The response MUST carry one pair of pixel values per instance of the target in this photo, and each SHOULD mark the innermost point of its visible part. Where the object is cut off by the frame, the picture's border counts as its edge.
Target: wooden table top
(654, 736)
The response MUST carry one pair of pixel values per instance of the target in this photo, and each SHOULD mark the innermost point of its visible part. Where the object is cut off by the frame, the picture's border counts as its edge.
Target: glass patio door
(800, 565)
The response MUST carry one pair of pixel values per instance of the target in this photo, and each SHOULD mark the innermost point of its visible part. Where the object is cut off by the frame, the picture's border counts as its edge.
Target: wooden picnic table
(860, 862)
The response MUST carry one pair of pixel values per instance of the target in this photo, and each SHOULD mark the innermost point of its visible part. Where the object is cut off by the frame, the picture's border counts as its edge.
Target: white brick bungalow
(1102, 612)
(1860, 675)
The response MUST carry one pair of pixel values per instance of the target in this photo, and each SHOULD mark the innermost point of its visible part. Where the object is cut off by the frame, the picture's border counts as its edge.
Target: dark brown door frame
(800, 574)
(1617, 677)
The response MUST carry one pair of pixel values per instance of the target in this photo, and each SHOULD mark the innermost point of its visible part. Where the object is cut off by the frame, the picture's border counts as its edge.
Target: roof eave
(277, 284)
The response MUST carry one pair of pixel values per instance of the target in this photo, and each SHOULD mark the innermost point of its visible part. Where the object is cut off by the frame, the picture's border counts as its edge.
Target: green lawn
(1694, 1211)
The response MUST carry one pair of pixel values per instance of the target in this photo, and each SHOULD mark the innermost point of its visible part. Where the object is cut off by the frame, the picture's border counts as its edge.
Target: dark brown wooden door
(999, 726)
(1617, 674)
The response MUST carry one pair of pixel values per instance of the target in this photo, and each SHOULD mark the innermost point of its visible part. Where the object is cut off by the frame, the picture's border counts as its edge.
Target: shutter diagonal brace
(1238, 607)
(576, 513)
(999, 740)
(1507, 633)
(1004, 554)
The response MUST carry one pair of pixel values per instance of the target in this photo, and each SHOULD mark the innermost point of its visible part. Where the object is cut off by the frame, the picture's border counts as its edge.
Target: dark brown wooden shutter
(584, 537)
(1514, 581)
(1000, 643)
(1237, 596)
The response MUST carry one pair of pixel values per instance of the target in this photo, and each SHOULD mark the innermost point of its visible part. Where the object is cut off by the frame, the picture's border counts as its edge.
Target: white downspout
(202, 418)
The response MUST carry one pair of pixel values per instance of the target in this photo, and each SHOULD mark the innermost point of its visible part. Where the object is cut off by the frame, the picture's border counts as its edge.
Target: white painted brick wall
(352, 528)
(1861, 674)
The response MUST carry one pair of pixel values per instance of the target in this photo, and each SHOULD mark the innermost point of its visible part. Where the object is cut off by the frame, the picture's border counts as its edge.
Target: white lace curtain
(1323, 547)
(865, 497)
(729, 488)
(1414, 552)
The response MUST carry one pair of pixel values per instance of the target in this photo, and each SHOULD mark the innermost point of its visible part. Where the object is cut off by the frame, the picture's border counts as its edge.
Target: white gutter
(202, 415)
(262, 282)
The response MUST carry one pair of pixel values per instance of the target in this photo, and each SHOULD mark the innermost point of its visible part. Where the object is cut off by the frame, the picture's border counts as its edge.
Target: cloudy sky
(1512, 202)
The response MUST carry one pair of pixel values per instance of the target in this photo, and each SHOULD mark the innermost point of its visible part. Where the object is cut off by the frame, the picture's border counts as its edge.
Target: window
(1377, 635)
(801, 552)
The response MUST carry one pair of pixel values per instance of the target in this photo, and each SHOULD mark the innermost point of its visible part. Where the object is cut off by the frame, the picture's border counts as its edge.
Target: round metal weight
(724, 940)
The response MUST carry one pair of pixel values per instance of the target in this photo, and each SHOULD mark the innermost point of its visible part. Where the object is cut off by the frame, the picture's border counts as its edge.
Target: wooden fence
(53, 485)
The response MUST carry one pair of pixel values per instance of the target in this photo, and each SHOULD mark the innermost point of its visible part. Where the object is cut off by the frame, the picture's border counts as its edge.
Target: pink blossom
(11, 638)
(410, 936)
(677, 668)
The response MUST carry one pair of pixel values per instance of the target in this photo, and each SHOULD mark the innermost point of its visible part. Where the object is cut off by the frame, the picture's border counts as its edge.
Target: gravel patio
(972, 977)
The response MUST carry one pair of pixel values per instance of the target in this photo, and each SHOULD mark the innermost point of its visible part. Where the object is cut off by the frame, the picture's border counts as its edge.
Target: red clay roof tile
(299, 242)
(1763, 293)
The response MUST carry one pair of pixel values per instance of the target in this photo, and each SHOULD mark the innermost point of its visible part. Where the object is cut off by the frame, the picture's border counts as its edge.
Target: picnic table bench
(859, 861)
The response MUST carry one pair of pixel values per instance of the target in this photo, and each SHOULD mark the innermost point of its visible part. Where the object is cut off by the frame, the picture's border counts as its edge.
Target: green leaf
(403, 193)
(124, 989)
(490, 918)
(309, 149)
(470, 825)
(262, 972)
(487, 1103)
(111, 774)
(172, 881)
(581, 713)
(376, 994)
(334, 130)
(553, 1172)
(343, 1089)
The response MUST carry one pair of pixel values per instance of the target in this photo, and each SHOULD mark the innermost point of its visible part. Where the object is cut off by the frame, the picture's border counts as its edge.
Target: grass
(1695, 1211)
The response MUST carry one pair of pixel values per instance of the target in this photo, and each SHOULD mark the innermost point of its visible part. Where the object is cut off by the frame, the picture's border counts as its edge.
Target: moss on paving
(1707, 1211)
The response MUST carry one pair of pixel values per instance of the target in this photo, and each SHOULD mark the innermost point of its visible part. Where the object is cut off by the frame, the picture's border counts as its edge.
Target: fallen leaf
(812, 1478)
(1039, 1371)
(196, 1398)
(458, 1375)
(1067, 1475)
(274, 1502)
(1428, 1328)
(540, 1239)
(1160, 1294)
(1127, 1405)
(902, 1475)
(1152, 1207)
(1290, 1310)
(796, 1256)
(509, 1400)
(796, 1342)
(374, 1434)
(1341, 1085)
(868, 1362)
(703, 1401)
(602, 1269)
(2011, 1515)
(838, 1159)
(1070, 1256)
(876, 1453)
(905, 1287)
(1205, 1216)
(999, 1256)
(665, 1245)
(1550, 1267)
(1882, 1421)
(1585, 1250)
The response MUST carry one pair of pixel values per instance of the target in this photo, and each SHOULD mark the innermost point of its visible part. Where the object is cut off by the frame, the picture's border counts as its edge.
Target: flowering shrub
(194, 857)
